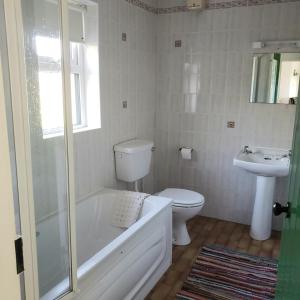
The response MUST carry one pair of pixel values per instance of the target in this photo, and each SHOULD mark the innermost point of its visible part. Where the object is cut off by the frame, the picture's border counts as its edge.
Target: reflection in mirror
(275, 78)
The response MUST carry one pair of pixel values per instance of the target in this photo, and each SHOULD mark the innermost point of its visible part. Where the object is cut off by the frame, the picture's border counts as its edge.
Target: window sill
(76, 130)
(84, 129)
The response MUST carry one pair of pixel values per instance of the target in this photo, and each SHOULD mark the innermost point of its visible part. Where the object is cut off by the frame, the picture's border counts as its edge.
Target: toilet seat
(183, 198)
(186, 205)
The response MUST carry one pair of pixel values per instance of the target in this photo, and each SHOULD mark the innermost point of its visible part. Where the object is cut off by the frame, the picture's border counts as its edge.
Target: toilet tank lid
(182, 196)
(134, 146)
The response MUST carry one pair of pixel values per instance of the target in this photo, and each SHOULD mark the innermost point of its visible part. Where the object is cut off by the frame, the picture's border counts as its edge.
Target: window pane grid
(50, 82)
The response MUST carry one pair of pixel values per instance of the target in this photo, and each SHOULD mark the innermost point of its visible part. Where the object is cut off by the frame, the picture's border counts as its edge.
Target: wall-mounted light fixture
(276, 44)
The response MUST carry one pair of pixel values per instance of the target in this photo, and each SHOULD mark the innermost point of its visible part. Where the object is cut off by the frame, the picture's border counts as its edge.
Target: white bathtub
(113, 263)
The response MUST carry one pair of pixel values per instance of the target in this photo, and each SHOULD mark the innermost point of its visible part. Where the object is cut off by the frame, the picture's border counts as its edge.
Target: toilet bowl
(186, 204)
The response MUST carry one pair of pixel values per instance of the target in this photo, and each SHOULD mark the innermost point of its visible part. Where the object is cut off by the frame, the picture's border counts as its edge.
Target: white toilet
(133, 160)
(186, 205)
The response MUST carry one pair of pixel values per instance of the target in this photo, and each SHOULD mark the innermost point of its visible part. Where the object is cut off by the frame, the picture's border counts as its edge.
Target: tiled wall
(218, 42)
(127, 73)
(194, 90)
(204, 84)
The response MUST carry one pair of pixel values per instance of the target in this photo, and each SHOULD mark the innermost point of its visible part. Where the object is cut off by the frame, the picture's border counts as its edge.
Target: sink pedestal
(261, 225)
(267, 164)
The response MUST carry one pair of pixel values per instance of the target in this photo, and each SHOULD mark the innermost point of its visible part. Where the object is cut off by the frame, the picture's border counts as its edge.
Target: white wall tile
(217, 55)
(123, 78)
(184, 97)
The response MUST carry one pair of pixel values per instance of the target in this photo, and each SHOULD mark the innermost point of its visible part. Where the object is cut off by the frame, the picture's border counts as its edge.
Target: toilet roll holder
(186, 148)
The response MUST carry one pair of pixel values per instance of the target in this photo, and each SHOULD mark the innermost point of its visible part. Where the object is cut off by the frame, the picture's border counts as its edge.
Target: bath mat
(223, 274)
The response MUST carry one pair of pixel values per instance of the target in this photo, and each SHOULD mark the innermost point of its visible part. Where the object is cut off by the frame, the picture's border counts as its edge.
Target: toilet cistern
(133, 160)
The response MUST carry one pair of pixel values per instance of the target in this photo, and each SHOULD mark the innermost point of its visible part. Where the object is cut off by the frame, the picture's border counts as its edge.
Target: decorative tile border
(210, 5)
(143, 5)
(223, 5)
(237, 3)
(170, 10)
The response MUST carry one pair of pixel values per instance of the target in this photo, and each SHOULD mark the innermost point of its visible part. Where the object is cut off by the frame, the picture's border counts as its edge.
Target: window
(84, 69)
(77, 85)
(50, 85)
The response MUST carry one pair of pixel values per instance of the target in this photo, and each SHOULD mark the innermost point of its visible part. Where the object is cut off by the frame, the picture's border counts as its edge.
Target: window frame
(81, 101)
(76, 68)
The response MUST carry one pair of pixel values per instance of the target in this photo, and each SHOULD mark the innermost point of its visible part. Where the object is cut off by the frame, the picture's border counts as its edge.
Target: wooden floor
(207, 231)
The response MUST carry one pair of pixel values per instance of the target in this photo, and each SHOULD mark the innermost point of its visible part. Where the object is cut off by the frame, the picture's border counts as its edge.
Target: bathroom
(194, 88)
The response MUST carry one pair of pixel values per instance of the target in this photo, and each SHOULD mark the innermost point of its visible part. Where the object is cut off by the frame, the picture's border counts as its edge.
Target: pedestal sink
(266, 164)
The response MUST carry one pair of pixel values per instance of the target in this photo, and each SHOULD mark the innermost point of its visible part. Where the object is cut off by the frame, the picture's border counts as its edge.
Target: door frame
(17, 70)
(9, 279)
(21, 134)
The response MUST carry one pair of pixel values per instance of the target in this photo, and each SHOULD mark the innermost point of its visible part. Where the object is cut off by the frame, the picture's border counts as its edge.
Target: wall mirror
(275, 78)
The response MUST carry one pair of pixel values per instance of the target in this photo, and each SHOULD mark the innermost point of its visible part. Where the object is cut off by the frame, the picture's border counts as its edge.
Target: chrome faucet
(246, 150)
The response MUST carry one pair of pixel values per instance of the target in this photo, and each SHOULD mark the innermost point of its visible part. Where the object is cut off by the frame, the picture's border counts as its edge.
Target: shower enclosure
(72, 249)
(50, 43)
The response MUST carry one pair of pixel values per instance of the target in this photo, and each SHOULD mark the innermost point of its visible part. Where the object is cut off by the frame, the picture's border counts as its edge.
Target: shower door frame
(10, 283)
(17, 70)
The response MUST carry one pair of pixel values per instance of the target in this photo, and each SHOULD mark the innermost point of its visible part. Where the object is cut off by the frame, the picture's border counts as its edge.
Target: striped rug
(223, 274)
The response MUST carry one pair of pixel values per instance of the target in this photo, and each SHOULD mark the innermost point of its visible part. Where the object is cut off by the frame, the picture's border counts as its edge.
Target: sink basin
(266, 164)
(264, 161)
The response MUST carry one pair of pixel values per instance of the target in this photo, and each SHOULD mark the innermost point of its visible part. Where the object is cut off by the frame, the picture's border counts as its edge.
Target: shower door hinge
(19, 255)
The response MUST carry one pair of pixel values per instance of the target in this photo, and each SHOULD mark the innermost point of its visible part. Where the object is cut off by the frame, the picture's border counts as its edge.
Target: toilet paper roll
(186, 153)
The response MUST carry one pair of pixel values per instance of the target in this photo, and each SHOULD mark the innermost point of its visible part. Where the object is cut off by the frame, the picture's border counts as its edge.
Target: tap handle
(246, 149)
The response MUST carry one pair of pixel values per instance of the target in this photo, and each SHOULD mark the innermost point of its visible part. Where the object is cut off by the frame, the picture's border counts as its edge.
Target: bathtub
(114, 263)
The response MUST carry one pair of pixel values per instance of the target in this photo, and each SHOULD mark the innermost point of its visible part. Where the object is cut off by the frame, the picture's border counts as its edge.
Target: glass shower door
(48, 144)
